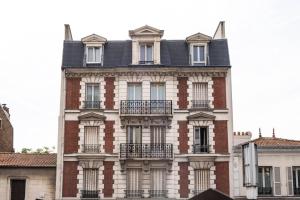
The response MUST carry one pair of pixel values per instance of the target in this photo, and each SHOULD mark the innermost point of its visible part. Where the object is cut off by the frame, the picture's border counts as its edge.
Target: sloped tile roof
(274, 141)
(27, 160)
(211, 194)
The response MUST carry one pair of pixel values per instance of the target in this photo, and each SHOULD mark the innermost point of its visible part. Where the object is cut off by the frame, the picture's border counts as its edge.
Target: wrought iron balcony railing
(92, 104)
(146, 62)
(296, 191)
(90, 194)
(161, 107)
(199, 148)
(158, 193)
(163, 151)
(200, 104)
(133, 193)
(91, 148)
(265, 190)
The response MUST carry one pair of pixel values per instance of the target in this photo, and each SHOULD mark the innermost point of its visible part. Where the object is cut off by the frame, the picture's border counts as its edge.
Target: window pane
(97, 54)
(90, 54)
(149, 53)
(89, 92)
(96, 93)
(195, 53)
(201, 53)
(153, 93)
(142, 52)
(138, 92)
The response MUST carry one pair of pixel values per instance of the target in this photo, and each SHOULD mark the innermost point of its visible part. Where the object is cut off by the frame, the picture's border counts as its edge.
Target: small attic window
(146, 53)
(93, 54)
(198, 54)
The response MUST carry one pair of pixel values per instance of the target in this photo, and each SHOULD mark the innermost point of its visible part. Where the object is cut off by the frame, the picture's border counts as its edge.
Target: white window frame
(93, 91)
(146, 59)
(192, 53)
(94, 58)
(135, 85)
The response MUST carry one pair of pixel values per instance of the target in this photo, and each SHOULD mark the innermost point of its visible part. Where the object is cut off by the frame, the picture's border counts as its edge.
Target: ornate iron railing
(136, 150)
(296, 191)
(146, 62)
(158, 193)
(91, 148)
(200, 104)
(265, 190)
(198, 148)
(162, 107)
(133, 193)
(90, 194)
(92, 104)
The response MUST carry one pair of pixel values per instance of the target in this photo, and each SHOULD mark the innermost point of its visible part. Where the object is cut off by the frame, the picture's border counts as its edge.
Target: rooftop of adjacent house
(275, 142)
(27, 160)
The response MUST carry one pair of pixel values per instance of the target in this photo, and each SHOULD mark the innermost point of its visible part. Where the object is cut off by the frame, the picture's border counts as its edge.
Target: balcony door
(90, 183)
(158, 183)
(134, 177)
(134, 91)
(158, 97)
(134, 141)
(200, 140)
(158, 135)
(202, 180)
(200, 96)
(91, 139)
(92, 96)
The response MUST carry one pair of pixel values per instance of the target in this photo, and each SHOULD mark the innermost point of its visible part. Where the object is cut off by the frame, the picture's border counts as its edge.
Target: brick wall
(71, 137)
(72, 93)
(183, 179)
(108, 178)
(182, 92)
(221, 136)
(6, 134)
(70, 172)
(219, 94)
(183, 137)
(109, 136)
(222, 177)
(109, 92)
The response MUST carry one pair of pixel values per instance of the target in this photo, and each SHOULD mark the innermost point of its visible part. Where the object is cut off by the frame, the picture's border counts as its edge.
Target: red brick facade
(219, 94)
(108, 178)
(71, 136)
(72, 93)
(222, 177)
(109, 92)
(69, 188)
(184, 179)
(183, 137)
(182, 92)
(221, 136)
(109, 136)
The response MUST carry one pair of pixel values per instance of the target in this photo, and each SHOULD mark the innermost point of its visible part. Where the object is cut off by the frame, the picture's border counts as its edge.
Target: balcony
(158, 193)
(201, 104)
(89, 194)
(92, 104)
(146, 151)
(146, 107)
(133, 193)
(264, 190)
(91, 148)
(198, 148)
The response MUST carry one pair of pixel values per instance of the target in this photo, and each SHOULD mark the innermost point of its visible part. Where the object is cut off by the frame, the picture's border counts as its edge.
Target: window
(264, 181)
(146, 54)
(90, 183)
(200, 140)
(134, 183)
(198, 54)
(200, 96)
(296, 180)
(158, 97)
(134, 134)
(134, 91)
(158, 134)
(158, 183)
(92, 95)
(94, 54)
(91, 140)
(202, 180)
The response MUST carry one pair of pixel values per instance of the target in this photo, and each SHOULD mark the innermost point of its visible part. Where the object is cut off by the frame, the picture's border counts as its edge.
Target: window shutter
(290, 181)
(277, 184)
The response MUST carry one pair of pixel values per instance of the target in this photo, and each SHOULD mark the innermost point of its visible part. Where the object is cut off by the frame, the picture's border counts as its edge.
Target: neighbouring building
(6, 130)
(278, 173)
(145, 117)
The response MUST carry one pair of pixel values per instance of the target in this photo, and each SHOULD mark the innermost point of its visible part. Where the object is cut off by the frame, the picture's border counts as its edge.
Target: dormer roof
(198, 37)
(94, 38)
(146, 31)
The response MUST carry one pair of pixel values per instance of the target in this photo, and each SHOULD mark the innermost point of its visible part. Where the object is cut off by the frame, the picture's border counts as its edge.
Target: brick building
(145, 117)
(6, 130)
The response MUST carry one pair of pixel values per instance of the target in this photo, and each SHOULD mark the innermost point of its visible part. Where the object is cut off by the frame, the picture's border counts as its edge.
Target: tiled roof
(27, 160)
(275, 142)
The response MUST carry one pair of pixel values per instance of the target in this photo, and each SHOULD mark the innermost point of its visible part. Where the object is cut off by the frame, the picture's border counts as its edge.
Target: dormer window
(198, 54)
(146, 54)
(94, 55)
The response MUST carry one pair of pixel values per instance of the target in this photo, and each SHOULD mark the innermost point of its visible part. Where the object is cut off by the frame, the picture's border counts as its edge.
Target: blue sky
(263, 40)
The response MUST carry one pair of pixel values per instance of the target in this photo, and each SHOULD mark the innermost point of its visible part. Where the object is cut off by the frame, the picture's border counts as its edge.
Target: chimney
(220, 31)
(6, 109)
(68, 33)
(259, 132)
(273, 135)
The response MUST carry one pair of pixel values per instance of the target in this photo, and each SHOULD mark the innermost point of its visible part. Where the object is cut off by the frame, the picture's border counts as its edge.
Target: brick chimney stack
(6, 109)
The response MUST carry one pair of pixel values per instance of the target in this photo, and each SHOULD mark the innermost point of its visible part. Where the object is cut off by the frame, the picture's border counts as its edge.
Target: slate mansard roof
(172, 52)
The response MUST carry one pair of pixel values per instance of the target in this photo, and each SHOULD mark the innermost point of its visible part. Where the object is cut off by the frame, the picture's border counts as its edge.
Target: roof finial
(273, 133)
(259, 132)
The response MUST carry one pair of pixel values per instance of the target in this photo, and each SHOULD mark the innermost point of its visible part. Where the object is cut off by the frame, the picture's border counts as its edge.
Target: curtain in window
(202, 180)
(134, 91)
(134, 134)
(149, 53)
(90, 56)
(133, 179)
(92, 92)
(90, 179)
(158, 91)
(158, 134)
(198, 53)
(97, 54)
(90, 135)
(142, 53)
(200, 95)
(158, 180)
